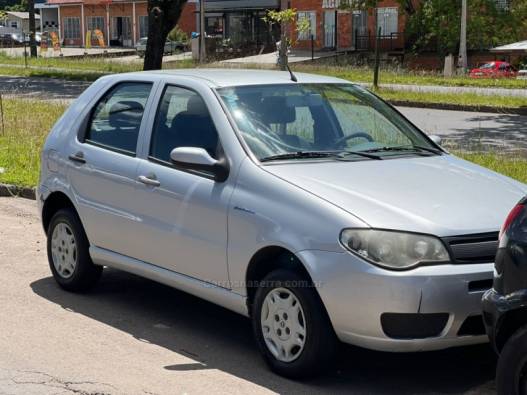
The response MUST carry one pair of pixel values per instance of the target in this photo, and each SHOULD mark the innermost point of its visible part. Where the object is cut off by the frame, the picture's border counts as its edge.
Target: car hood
(441, 195)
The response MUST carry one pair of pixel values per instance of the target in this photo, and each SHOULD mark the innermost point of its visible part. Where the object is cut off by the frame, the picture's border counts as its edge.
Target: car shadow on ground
(216, 338)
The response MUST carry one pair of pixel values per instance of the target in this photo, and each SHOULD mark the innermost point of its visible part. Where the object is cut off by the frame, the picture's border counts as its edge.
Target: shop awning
(86, 2)
(211, 5)
(520, 46)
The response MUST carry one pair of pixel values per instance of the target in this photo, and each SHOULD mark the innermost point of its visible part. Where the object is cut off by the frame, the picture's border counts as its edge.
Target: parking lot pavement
(134, 336)
(472, 131)
(41, 88)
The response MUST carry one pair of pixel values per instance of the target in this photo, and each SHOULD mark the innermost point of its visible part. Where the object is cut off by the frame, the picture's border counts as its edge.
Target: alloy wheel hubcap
(63, 250)
(283, 324)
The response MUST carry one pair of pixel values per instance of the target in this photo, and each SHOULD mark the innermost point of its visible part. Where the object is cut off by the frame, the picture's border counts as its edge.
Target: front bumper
(357, 294)
(495, 307)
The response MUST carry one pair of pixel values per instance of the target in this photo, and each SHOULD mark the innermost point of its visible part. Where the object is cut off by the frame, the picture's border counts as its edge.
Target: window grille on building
(311, 16)
(72, 28)
(143, 26)
(96, 23)
(387, 20)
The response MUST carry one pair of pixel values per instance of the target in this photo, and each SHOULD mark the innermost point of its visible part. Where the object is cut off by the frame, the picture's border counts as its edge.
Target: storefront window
(214, 26)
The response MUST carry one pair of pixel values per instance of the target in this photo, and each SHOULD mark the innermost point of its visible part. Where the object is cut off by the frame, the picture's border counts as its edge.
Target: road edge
(459, 107)
(8, 190)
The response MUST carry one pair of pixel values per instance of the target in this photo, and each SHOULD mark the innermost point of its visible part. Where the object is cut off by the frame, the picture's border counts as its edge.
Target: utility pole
(202, 49)
(462, 63)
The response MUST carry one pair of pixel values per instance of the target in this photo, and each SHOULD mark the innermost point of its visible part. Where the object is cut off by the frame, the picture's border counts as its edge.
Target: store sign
(330, 3)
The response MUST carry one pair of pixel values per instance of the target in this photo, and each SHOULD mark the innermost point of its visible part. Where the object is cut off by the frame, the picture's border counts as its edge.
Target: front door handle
(150, 180)
(78, 157)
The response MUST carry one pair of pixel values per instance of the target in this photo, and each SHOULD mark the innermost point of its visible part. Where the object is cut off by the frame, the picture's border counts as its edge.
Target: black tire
(321, 342)
(85, 274)
(512, 365)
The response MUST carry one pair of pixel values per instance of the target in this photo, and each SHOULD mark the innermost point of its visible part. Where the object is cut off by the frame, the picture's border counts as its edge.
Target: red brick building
(332, 27)
(122, 22)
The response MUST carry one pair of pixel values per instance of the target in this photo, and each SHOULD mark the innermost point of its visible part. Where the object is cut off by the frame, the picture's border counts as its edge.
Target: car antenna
(293, 76)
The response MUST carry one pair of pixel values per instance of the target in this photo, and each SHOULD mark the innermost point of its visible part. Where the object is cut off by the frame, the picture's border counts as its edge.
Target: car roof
(240, 77)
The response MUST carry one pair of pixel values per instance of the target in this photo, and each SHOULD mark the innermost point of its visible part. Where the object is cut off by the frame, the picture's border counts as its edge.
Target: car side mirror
(436, 139)
(194, 158)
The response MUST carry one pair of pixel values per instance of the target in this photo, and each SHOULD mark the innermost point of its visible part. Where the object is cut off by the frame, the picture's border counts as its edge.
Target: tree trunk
(163, 15)
(32, 42)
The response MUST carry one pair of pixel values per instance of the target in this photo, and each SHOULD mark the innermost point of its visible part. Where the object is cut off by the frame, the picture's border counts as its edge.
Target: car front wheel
(511, 374)
(291, 326)
(68, 253)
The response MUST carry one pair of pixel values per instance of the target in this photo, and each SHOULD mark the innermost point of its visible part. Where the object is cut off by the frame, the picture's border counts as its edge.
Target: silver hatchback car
(307, 204)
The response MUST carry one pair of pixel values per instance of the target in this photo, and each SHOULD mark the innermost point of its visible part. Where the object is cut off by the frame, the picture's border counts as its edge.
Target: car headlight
(394, 250)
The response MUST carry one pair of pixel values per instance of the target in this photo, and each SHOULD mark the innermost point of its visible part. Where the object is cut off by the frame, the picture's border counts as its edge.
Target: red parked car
(497, 69)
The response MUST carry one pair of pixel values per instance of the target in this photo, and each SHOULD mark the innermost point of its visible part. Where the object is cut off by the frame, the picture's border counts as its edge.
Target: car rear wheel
(291, 326)
(68, 253)
(511, 374)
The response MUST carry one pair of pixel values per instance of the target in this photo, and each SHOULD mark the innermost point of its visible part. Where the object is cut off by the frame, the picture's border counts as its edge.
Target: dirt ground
(133, 336)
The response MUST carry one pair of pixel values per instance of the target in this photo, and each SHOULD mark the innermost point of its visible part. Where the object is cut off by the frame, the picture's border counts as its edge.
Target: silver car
(305, 203)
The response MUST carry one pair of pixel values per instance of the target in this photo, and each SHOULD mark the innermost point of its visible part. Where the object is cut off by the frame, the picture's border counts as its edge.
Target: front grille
(478, 248)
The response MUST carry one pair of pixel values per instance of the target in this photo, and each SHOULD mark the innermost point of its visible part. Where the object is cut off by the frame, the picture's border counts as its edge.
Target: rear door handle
(78, 157)
(150, 180)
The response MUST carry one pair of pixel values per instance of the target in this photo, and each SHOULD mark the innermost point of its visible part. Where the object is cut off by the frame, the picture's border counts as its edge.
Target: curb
(7, 190)
(457, 107)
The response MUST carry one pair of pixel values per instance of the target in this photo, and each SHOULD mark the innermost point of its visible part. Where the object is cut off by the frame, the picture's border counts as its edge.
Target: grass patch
(406, 77)
(514, 167)
(79, 69)
(98, 64)
(50, 73)
(460, 99)
(23, 137)
(72, 68)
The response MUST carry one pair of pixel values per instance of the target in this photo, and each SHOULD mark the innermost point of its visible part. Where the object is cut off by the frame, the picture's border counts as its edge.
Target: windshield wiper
(411, 148)
(299, 155)
(364, 154)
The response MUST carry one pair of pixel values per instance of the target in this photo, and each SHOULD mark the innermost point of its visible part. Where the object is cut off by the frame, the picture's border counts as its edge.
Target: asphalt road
(460, 129)
(134, 336)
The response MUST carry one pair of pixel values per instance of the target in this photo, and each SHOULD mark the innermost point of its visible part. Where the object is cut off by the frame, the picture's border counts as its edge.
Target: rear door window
(117, 117)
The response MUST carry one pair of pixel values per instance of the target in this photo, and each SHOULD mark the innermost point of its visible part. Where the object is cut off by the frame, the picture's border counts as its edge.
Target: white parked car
(307, 204)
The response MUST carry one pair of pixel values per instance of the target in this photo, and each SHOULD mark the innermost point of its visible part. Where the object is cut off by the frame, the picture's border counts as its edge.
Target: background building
(334, 28)
(122, 22)
(18, 21)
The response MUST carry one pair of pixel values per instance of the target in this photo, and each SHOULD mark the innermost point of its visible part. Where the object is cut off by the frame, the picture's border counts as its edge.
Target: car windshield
(306, 121)
(487, 66)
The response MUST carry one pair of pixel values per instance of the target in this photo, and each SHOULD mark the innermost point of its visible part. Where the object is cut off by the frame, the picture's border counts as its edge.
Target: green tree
(435, 25)
(289, 27)
(21, 6)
